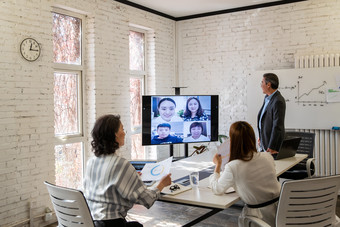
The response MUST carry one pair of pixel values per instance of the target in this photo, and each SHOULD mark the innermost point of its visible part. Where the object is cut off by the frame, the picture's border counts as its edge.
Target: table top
(203, 196)
(285, 164)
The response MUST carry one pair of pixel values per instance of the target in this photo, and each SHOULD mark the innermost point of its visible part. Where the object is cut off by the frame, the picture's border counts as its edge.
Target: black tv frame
(146, 118)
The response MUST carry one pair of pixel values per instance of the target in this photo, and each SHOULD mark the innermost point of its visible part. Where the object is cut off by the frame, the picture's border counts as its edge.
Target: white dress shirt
(255, 182)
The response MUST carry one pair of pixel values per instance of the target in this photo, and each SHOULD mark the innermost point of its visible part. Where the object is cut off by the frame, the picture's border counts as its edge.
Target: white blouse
(255, 181)
(199, 139)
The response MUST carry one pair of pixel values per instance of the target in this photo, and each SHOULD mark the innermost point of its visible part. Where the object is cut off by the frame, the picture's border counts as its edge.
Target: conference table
(203, 196)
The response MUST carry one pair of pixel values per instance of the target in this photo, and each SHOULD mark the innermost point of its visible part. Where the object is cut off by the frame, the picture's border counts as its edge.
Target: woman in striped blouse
(112, 185)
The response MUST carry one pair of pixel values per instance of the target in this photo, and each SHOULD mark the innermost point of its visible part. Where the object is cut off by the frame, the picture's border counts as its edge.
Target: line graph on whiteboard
(306, 95)
(312, 97)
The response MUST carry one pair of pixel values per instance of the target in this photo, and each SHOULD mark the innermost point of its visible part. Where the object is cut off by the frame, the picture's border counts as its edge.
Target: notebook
(288, 148)
(179, 189)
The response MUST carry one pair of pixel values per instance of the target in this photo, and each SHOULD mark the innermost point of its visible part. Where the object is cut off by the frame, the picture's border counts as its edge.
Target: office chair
(305, 168)
(309, 202)
(70, 206)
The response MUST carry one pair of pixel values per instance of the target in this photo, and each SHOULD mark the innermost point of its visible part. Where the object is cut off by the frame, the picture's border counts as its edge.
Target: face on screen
(167, 110)
(196, 132)
(193, 105)
(163, 132)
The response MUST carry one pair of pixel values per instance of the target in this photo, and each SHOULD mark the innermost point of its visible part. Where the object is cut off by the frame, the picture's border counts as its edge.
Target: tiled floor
(163, 214)
(174, 215)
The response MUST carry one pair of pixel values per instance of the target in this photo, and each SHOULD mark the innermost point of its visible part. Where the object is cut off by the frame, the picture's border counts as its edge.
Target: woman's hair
(166, 99)
(187, 112)
(242, 141)
(104, 135)
(196, 124)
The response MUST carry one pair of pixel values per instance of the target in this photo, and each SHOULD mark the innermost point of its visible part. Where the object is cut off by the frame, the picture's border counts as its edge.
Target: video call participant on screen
(111, 184)
(194, 111)
(196, 130)
(251, 173)
(166, 108)
(271, 117)
(163, 131)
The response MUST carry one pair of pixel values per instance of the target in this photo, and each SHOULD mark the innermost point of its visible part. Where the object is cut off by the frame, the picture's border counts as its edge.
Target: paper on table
(224, 151)
(155, 171)
(230, 190)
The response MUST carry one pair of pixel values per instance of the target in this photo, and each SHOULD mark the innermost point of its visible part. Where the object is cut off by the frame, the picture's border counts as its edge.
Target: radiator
(327, 142)
(326, 151)
(317, 61)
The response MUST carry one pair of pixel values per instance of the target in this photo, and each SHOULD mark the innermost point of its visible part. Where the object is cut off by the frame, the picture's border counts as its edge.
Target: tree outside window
(66, 39)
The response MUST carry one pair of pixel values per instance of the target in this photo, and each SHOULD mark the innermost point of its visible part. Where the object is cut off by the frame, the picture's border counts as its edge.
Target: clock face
(30, 49)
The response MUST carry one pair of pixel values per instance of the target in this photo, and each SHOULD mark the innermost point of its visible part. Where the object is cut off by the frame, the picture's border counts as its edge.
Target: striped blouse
(112, 186)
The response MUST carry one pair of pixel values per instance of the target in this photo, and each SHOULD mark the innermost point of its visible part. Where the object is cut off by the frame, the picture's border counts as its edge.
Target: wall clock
(30, 49)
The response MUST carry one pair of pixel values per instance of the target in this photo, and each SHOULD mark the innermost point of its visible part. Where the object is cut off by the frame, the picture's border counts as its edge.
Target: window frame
(80, 104)
(82, 18)
(80, 71)
(140, 74)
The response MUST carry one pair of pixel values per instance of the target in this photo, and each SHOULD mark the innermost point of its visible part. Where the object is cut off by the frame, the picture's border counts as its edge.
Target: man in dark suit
(271, 117)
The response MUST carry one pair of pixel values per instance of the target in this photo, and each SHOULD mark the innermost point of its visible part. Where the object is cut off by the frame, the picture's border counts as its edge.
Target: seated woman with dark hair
(112, 185)
(251, 173)
(194, 111)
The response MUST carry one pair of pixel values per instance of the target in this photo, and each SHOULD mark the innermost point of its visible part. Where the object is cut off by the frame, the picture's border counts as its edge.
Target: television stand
(186, 152)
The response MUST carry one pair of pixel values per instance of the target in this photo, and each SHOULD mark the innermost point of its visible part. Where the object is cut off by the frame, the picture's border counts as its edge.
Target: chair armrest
(308, 166)
(336, 222)
(248, 220)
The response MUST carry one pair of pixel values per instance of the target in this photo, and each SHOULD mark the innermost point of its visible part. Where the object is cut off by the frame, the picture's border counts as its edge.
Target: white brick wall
(214, 56)
(26, 115)
(216, 53)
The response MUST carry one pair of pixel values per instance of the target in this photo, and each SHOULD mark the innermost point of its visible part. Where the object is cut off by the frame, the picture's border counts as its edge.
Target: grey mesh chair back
(305, 168)
(309, 202)
(70, 206)
(306, 145)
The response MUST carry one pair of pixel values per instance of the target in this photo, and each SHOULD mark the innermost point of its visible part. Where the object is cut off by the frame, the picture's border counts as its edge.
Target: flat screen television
(175, 119)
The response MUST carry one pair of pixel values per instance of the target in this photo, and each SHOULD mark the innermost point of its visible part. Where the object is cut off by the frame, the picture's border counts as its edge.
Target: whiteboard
(305, 92)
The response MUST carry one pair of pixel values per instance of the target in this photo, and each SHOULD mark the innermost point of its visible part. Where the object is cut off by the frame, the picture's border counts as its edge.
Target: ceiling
(186, 9)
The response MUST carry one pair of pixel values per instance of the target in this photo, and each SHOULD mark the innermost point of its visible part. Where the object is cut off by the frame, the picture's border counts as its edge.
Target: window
(66, 39)
(68, 98)
(137, 52)
(137, 83)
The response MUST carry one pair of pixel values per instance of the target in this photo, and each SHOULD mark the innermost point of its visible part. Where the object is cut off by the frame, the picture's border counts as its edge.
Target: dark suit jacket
(273, 123)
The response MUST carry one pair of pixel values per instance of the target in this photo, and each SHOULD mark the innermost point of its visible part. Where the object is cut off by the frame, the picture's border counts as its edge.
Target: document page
(155, 171)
